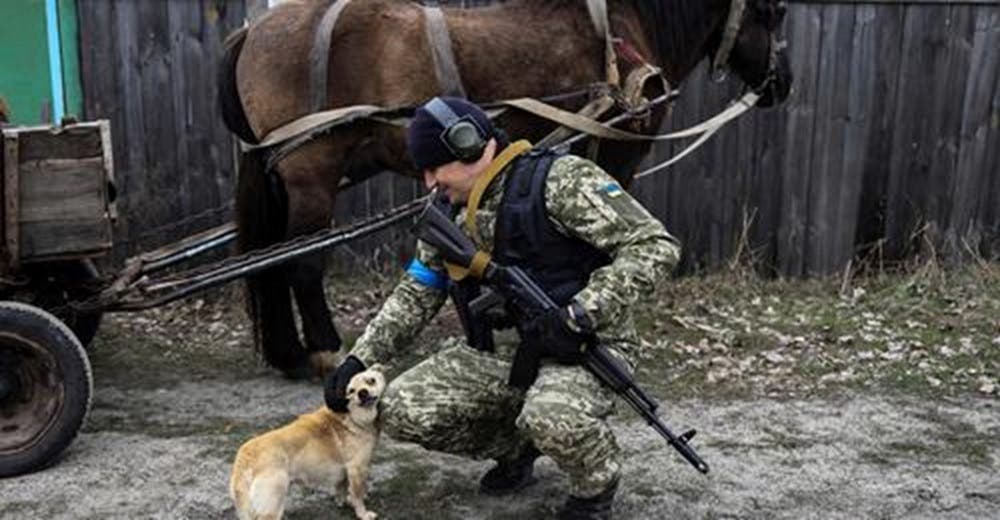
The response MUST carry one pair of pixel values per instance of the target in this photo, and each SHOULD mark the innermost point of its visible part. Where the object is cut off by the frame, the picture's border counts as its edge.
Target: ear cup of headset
(462, 135)
(465, 139)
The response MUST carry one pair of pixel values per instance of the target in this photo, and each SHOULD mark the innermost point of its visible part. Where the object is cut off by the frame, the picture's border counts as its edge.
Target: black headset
(462, 135)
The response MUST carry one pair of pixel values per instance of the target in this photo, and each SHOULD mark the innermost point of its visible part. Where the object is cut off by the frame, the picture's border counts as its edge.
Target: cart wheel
(55, 283)
(45, 388)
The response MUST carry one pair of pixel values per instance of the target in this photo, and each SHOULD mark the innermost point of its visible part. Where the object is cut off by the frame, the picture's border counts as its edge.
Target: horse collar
(733, 24)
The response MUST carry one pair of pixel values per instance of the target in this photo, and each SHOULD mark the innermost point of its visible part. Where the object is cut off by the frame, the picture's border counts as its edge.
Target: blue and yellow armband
(426, 276)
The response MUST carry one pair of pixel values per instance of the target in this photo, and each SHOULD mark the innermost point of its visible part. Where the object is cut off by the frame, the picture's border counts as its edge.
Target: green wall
(24, 59)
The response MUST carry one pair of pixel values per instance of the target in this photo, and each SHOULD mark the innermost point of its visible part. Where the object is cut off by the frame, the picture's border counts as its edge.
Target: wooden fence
(889, 143)
(149, 66)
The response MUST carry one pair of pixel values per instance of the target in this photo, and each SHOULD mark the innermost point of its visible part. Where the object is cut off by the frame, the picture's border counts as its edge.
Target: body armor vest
(525, 237)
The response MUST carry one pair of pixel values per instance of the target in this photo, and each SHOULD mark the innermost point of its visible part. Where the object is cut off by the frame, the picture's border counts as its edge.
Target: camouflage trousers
(458, 401)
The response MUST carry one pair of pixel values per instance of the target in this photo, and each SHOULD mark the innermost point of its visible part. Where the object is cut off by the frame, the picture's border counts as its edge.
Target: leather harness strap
(599, 16)
(593, 110)
(733, 23)
(442, 52)
(319, 56)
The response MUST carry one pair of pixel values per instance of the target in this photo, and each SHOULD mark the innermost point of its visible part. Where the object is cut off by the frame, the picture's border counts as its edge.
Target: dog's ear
(335, 400)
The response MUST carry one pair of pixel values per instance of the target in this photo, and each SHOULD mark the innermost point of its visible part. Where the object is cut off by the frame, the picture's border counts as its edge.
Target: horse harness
(442, 53)
(629, 97)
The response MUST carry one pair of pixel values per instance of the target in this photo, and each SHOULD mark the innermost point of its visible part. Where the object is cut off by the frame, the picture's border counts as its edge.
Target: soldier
(588, 243)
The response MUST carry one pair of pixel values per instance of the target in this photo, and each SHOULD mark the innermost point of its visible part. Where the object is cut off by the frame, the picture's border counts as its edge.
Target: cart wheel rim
(37, 396)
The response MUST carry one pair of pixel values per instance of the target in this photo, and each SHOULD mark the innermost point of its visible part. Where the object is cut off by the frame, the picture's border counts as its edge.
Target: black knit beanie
(423, 137)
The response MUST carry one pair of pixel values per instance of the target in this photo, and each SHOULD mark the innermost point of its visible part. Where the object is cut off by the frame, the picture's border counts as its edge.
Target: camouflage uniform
(458, 400)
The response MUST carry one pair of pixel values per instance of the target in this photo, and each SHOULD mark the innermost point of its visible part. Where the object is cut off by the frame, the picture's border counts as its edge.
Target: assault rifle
(512, 285)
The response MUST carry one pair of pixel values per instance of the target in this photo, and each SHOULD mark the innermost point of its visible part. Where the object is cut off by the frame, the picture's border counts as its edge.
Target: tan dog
(321, 449)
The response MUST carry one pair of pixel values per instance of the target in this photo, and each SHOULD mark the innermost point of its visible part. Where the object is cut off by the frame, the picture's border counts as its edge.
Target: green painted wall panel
(24, 60)
(69, 36)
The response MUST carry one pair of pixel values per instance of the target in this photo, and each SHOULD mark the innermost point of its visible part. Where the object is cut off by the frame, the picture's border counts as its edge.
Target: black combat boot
(597, 507)
(510, 476)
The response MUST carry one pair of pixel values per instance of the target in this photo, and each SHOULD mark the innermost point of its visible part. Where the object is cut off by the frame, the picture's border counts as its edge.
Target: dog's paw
(369, 515)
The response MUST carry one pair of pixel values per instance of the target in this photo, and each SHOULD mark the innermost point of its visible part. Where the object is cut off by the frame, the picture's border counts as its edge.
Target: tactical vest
(525, 237)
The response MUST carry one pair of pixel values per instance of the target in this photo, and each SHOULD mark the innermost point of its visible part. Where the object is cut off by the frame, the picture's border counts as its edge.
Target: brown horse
(380, 55)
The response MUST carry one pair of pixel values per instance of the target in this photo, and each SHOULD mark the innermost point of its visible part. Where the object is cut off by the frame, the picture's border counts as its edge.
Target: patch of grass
(724, 335)
(926, 332)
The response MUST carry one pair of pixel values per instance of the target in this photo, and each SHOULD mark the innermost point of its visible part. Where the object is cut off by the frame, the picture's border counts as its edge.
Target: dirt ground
(869, 398)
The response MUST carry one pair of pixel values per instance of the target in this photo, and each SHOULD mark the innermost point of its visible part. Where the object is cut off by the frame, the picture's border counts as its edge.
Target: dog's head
(362, 393)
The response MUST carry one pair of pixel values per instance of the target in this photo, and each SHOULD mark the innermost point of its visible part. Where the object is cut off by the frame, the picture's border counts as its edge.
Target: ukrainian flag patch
(611, 190)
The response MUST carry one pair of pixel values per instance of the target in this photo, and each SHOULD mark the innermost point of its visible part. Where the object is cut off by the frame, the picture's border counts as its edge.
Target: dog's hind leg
(267, 495)
(356, 478)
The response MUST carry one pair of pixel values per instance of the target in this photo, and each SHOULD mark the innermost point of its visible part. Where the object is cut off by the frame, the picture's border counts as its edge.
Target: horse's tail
(228, 95)
(261, 218)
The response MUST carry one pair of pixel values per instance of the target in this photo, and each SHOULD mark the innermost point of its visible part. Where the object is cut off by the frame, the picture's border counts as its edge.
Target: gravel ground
(787, 433)
(165, 453)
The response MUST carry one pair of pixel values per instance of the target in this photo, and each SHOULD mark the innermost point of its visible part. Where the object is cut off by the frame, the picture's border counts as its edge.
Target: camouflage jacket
(582, 201)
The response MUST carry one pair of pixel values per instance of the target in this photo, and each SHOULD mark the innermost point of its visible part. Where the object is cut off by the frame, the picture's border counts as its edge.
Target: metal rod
(186, 254)
(253, 265)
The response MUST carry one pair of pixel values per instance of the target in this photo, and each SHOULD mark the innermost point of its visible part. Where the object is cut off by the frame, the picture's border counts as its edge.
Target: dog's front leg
(357, 476)
(339, 482)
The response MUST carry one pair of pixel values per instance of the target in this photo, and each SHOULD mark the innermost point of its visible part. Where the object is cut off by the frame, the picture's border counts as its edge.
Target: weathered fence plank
(148, 66)
(972, 171)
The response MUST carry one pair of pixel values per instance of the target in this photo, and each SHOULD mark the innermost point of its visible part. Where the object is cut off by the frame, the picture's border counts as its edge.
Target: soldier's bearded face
(456, 178)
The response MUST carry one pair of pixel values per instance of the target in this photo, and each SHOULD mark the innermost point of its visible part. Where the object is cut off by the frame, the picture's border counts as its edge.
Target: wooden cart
(58, 208)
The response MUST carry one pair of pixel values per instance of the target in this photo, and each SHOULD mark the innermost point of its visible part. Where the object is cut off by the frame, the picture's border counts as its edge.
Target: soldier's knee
(548, 421)
(407, 417)
(398, 414)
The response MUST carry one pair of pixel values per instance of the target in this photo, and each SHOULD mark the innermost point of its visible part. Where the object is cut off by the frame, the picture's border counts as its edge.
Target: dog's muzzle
(366, 399)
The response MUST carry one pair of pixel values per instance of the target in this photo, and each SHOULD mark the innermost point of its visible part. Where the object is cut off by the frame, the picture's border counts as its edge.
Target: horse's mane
(677, 26)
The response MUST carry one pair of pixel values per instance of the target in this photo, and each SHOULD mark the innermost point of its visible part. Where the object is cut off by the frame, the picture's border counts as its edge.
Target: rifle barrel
(679, 444)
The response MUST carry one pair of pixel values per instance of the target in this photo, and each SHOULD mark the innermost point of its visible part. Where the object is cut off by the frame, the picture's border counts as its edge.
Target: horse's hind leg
(310, 208)
(321, 337)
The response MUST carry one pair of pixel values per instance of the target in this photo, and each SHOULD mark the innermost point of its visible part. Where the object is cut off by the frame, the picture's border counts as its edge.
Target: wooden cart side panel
(63, 207)
(70, 142)
(56, 192)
